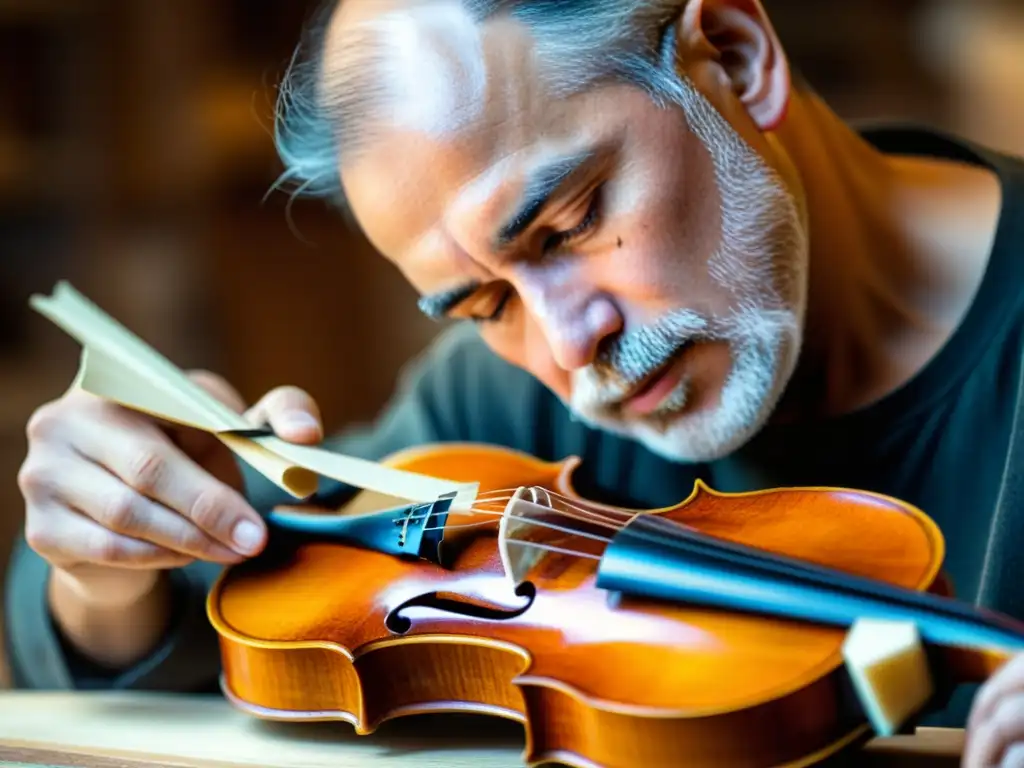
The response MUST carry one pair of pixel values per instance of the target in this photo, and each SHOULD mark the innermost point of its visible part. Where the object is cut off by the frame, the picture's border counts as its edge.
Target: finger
(990, 738)
(199, 444)
(66, 538)
(93, 491)
(204, 448)
(291, 413)
(143, 457)
(1006, 680)
(1014, 756)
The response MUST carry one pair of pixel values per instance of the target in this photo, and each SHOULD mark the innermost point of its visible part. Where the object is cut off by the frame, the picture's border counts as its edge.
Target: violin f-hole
(463, 605)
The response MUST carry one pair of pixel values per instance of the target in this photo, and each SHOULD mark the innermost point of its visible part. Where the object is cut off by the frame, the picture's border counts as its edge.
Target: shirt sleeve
(437, 397)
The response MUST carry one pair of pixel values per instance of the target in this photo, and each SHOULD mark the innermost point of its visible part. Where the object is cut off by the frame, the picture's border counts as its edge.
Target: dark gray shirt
(939, 442)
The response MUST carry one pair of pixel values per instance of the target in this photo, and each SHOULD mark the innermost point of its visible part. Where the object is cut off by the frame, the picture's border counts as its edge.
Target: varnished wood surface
(147, 730)
(305, 633)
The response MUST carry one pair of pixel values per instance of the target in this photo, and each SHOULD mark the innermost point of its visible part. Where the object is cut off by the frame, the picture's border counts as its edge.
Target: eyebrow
(541, 186)
(437, 305)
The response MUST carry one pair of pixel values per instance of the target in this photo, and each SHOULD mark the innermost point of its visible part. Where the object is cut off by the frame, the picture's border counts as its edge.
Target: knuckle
(193, 541)
(105, 548)
(210, 510)
(120, 512)
(147, 469)
(287, 396)
(38, 537)
(43, 422)
(34, 479)
(1004, 725)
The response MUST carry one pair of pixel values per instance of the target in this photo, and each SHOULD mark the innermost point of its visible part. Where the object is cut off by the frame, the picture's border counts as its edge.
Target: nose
(574, 331)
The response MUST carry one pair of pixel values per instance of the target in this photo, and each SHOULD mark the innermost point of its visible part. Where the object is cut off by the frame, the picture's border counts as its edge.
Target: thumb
(291, 413)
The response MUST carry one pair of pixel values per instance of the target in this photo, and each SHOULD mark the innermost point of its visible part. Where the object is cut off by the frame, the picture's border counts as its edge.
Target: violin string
(586, 513)
(503, 495)
(583, 516)
(497, 513)
(558, 550)
(531, 521)
(609, 514)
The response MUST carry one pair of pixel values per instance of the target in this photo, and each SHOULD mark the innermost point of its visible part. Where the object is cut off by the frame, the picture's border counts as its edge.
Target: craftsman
(660, 251)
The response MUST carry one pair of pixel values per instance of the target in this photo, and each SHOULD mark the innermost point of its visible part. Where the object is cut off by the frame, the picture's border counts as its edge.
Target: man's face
(643, 262)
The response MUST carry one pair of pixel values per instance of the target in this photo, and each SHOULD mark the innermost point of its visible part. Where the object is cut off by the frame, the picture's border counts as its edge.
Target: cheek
(664, 228)
(523, 344)
(656, 269)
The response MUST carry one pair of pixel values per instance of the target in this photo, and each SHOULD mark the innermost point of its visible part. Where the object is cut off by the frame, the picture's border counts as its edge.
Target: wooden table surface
(142, 730)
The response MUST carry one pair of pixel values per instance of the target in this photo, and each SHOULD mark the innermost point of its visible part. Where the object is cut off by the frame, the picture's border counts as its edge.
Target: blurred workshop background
(135, 154)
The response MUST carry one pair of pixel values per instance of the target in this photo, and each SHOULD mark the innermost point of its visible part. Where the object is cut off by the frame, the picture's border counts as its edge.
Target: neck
(898, 248)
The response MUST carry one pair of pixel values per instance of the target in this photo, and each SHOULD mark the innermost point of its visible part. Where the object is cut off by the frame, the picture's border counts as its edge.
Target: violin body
(321, 631)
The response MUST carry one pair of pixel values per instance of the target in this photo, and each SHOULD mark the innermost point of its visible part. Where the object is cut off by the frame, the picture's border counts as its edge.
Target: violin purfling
(704, 634)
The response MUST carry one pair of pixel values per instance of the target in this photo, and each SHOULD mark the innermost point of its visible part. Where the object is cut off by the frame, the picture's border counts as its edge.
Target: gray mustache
(630, 357)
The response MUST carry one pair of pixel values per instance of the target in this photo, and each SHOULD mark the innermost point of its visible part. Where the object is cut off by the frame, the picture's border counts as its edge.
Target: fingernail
(247, 536)
(299, 420)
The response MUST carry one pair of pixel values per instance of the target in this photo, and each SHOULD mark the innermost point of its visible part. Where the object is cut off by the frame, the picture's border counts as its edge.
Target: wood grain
(147, 730)
(308, 632)
(205, 732)
(24, 755)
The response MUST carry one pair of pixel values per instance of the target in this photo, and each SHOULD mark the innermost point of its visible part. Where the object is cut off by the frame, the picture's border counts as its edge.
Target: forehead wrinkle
(483, 198)
(416, 162)
(406, 183)
(484, 203)
(436, 261)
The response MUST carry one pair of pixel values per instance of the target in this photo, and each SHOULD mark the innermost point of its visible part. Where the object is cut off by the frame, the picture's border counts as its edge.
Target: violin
(469, 578)
(703, 634)
(473, 578)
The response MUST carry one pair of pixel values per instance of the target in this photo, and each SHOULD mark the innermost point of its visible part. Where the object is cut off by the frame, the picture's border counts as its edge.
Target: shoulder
(472, 394)
(457, 363)
(456, 349)
(458, 390)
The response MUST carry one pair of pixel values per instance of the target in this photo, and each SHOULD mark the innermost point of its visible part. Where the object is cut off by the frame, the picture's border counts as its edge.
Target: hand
(114, 496)
(995, 728)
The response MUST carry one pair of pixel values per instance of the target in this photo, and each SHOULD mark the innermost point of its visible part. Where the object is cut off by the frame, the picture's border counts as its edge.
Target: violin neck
(656, 558)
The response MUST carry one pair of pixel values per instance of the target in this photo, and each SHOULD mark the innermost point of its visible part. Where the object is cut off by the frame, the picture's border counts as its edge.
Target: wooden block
(932, 747)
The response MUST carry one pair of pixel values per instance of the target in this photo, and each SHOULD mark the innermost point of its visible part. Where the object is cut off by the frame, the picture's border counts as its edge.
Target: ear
(739, 38)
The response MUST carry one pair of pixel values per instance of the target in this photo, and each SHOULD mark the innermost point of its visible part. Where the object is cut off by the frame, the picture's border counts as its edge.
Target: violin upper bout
(862, 532)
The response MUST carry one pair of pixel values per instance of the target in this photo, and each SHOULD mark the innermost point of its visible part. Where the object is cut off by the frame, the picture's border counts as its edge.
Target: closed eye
(552, 242)
(498, 309)
(559, 239)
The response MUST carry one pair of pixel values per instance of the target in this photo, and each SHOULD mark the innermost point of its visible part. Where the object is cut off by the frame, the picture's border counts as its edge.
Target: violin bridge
(518, 532)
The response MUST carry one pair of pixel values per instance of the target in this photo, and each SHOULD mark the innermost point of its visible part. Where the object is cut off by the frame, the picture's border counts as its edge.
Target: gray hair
(585, 42)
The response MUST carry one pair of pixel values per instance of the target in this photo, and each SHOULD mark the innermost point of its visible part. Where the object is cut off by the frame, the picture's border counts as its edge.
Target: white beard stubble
(762, 261)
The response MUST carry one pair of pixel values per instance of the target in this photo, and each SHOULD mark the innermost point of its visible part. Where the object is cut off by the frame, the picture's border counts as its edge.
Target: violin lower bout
(327, 683)
(415, 676)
